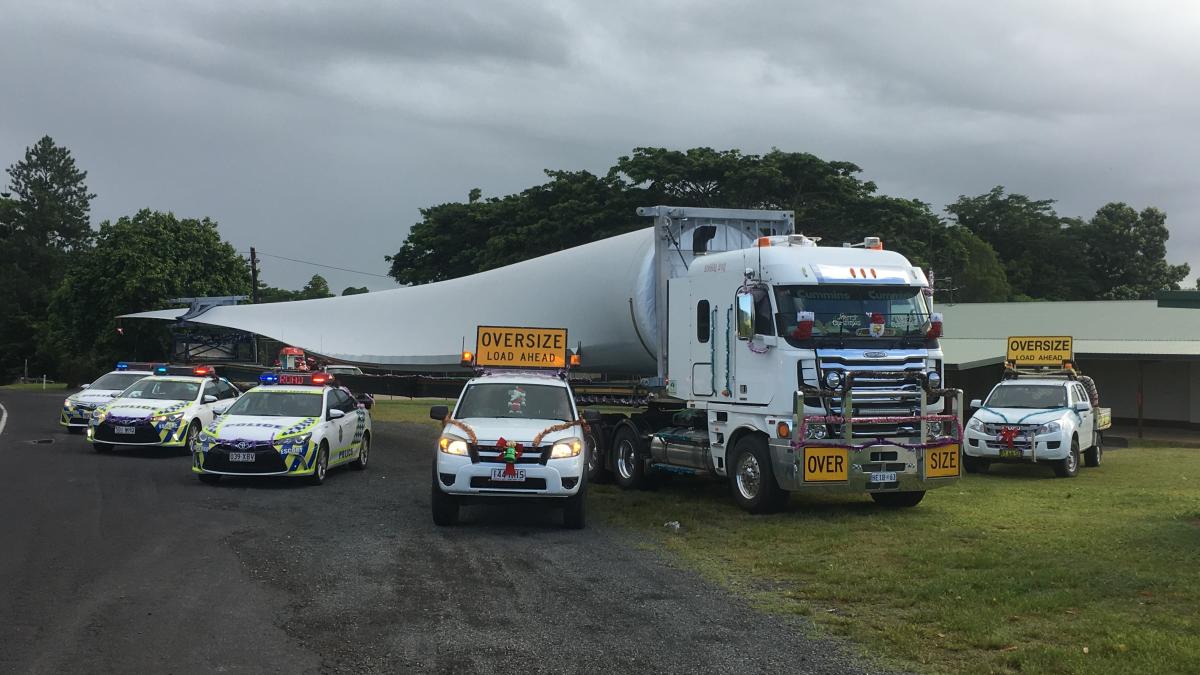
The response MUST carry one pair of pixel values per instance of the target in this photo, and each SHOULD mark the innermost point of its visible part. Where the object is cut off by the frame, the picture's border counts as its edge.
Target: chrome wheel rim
(321, 459)
(1072, 461)
(363, 450)
(625, 459)
(748, 476)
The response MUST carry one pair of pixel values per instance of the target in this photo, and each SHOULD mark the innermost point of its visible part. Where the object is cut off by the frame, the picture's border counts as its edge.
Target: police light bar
(317, 379)
(122, 366)
(203, 371)
(268, 378)
(161, 370)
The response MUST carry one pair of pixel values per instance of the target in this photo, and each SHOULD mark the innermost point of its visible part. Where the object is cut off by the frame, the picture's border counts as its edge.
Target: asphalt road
(127, 563)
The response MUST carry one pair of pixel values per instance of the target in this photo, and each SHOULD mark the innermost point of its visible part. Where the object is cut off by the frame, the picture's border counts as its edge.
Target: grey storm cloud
(316, 130)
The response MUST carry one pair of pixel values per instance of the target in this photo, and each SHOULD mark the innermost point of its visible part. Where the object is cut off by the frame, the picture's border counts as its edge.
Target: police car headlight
(452, 446)
(833, 379)
(816, 432)
(566, 447)
(1049, 428)
(174, 417)
(99, 415)
(975, 425)
(68, 403)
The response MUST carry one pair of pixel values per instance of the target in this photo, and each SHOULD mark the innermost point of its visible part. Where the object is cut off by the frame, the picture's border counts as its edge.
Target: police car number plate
(498, 474)
(883, 477)
(241, 456)
(124, 430)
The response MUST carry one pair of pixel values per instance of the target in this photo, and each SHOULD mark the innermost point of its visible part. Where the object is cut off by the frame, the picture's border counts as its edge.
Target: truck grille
(869, 399)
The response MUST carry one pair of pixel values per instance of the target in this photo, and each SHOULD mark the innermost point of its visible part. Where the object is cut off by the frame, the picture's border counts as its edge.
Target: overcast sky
(315, 130)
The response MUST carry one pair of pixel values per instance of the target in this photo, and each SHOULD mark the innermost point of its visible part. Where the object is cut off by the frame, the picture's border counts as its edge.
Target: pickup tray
(1103, 418)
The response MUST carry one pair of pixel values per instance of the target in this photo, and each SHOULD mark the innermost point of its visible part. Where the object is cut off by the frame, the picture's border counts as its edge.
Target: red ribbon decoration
(1007, 434)
(510, 452)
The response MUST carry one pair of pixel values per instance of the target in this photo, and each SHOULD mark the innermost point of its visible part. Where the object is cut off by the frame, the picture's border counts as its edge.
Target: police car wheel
(1068, 467)
(444, 506)
(322, 467)
(364, 450)
(102, 448)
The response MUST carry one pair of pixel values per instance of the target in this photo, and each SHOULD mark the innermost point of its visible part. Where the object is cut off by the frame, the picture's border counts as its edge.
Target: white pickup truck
(1048, 419)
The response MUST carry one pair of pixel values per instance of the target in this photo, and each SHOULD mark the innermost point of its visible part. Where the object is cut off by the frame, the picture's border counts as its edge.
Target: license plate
(124, 430)
(241, 456)
(1011, 453)
(941, 462)
(883, 477)
(498, 474)
(824, 464)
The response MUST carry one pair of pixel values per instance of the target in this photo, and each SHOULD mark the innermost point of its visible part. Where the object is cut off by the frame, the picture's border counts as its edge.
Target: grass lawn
(1015, 571)
(415, 410)
(31, 386)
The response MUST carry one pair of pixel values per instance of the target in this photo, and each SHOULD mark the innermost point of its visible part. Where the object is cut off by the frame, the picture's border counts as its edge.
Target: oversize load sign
(1039, 351)
(512, 347)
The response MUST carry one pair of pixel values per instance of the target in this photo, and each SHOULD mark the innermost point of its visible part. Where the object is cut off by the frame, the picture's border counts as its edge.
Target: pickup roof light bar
(295, 378)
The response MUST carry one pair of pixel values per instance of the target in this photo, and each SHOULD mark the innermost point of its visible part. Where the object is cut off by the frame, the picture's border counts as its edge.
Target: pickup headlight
(975, 425)
(452, 446)
(566, 447)
(1049, 428)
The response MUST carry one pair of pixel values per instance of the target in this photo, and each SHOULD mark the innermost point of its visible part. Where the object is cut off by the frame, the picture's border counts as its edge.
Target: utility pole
(253, 276)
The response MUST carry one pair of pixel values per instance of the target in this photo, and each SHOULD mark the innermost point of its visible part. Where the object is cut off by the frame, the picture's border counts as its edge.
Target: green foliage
(138, 262)
(970, 265)
(1127, 251)
(52, 199)
(316, 288)
(355, 290)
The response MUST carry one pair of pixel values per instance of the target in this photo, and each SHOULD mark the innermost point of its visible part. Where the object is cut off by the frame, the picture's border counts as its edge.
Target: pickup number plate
(883, 477)
(1010, 453)
(823, 465)
(124, 430)
(498, 475)
(941, 461)
(241, 456)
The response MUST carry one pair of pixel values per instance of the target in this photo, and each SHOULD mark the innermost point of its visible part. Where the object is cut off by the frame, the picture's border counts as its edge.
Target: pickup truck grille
(868, 392)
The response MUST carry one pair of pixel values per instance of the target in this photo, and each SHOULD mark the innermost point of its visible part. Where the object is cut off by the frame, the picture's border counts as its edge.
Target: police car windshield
(162, 390)
(117, 381)
(1028, 396)
(847, 311)
(521, 401)
(278, 404)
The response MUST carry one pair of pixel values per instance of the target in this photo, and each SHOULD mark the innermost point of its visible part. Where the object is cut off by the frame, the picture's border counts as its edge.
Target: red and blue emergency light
(317, 379)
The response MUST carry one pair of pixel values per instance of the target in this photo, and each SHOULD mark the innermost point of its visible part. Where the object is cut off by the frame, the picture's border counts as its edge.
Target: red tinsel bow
(1007, 434)
(510, 452)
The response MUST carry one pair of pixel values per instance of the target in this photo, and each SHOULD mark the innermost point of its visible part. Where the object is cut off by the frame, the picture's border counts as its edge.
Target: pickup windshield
(521, 401)
(1028, 396)
(848, 311)
(277, 404)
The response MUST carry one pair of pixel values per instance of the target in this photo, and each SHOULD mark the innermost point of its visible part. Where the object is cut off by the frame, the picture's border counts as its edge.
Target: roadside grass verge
(413, 410)
(1014, 571)
(32, 386)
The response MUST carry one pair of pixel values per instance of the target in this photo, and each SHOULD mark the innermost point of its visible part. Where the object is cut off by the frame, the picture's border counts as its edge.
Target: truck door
(704, 345)
(751, 367)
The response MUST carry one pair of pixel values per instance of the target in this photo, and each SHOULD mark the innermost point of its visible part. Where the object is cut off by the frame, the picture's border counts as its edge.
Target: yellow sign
(1039, 351)
(941, 462)
(512, 347)
(824, 464)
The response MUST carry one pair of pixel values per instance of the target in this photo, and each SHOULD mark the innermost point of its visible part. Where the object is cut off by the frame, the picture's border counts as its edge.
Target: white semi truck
(783, 366)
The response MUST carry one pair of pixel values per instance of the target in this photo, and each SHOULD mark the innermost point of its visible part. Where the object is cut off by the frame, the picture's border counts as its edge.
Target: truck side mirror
(1082, 406)
(591, 416)
(439, 412)
(976, 403)
(745, 316)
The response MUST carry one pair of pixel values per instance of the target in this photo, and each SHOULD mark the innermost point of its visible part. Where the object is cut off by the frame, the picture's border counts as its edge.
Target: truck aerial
(1038, 413)
(514, 432)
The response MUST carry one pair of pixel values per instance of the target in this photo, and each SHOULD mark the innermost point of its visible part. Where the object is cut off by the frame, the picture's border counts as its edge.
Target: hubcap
(749, 476)
(321, 466)
(362, 451)
(1072, 460)
(625, 459)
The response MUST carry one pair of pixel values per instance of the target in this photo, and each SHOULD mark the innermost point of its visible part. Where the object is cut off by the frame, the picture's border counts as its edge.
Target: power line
(317, 264)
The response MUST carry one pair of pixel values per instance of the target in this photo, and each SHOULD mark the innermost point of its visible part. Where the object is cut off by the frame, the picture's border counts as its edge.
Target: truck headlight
(816, 432)
(934, 378)
(975, 425)
(566, 447)
(833, 379)
(1049, 428)
(935, 429)
(452, 446)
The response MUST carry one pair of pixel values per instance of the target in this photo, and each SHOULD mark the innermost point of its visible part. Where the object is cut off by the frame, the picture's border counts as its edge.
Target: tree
(355, 290)
(43, 226)
(1126, 252)
(972, 268)
(316, 288)
(138, 262)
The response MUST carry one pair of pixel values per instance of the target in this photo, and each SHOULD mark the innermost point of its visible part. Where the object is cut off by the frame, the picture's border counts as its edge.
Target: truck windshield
(278, 404)
(1028, 396)
(850, 311)
(522, 401)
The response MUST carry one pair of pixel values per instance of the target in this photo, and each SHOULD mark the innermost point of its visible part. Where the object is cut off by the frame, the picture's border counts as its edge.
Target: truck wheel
(752, 477)
(445, 507)
(630, 467)
(897, 500)
(574, 511)
(1069, 466)
(1093, 455)
(1089, 385)
(322, 467)
(597, 471)
(975, 464)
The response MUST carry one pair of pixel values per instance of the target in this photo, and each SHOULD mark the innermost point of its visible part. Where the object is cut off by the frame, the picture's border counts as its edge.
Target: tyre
(628, 463)
(597, 469)
(1089, 385)
(364, 450)
(1069, 466)
(752, 477)
(444, 506)
(1093, 455)
(975, 464)
(322, 467)
(192, 432)
(209, 478)
(898, 500)
(102, 448)
(575, 510)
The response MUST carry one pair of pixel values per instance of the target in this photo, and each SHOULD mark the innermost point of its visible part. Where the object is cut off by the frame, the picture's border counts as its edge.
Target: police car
(292, 424)
(167, 409)
(78, 407)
